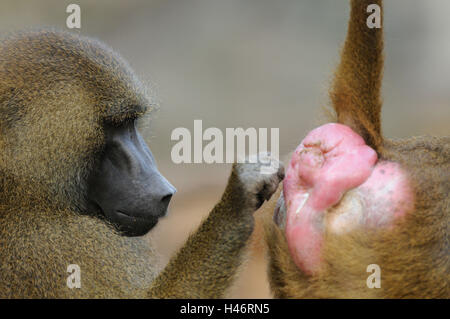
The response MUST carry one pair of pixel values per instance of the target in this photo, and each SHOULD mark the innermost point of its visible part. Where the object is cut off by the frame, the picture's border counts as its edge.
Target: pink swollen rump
(331, 160)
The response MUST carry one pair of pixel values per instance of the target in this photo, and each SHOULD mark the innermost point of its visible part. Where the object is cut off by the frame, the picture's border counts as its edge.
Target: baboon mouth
(279, 217)
(130, 225)
(279, 213)
(148, 218)
(276, 216)
(128, 215)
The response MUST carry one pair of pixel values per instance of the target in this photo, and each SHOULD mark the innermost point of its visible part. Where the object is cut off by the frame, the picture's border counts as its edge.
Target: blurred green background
(254, 63)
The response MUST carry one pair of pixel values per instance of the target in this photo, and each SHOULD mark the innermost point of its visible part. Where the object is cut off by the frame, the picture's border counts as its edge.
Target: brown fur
(56, 91)
(355, 93)
(414, 255)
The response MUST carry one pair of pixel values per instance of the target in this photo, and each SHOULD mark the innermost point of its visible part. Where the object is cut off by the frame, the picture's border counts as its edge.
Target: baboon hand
(259, 177)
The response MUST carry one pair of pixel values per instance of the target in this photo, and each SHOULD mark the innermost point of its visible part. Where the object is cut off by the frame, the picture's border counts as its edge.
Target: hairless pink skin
(331, 161)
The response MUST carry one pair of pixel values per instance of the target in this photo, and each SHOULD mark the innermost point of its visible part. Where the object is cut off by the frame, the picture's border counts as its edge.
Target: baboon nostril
(166, 199)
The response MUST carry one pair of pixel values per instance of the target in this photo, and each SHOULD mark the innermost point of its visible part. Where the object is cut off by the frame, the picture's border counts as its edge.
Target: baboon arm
(206, 265)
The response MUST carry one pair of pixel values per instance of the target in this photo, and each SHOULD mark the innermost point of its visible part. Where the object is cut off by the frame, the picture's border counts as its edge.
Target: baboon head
(68, 136)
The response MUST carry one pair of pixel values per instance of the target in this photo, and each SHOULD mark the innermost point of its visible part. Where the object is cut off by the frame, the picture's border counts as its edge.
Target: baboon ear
(355, 93)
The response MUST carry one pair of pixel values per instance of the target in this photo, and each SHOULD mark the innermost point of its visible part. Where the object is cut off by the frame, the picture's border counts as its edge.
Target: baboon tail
(355, 92)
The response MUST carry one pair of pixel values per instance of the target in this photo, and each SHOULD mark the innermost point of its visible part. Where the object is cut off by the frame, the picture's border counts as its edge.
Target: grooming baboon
(78, 183)
(352, 198)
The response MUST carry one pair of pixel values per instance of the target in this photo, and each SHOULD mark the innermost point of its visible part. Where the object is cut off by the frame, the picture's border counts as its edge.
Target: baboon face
(72, 143)
(125, 186)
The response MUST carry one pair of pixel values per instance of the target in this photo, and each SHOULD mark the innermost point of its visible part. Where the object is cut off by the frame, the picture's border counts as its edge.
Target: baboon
(79, 186)
(352, 198)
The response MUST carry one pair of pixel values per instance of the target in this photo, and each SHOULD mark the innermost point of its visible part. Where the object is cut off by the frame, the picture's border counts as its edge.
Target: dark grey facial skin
(279, 214)
(126, 186)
